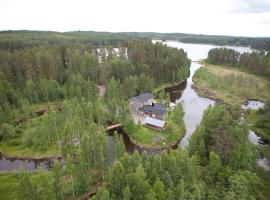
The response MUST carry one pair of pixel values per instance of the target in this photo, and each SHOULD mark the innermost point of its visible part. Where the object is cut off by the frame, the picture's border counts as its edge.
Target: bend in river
(194, 105)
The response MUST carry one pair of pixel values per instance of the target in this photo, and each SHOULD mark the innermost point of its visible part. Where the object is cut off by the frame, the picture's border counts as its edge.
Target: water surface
(193, 105)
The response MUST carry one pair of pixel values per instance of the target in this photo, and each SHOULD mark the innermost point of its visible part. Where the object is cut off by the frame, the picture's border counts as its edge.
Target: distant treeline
(261, 43)
(24, 39)
(11, 40)
(256, 62)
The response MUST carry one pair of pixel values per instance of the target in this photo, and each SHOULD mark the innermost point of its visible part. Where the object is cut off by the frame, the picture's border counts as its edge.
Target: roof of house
(154, 109)
(154, 122)
(143, 97)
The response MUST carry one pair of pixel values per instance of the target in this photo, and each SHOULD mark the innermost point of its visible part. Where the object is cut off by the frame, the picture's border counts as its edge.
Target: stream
(193, 106)
(253, 138)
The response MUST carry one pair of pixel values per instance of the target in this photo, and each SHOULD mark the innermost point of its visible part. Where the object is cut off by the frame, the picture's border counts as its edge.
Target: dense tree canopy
(61, 74)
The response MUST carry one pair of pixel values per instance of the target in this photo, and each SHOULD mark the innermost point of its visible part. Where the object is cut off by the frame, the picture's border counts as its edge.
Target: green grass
(148, 137)
(230, 85)
(8, 186)
(17, 148)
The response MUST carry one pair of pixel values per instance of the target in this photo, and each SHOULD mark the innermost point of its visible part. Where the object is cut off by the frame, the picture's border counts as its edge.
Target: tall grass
(235, 84)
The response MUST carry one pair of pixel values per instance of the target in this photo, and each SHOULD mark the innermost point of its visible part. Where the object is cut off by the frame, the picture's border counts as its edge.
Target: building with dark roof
(144, 99)
(140, 100)
(157, 111)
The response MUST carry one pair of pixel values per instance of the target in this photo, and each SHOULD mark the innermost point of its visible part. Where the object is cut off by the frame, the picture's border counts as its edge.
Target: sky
(213, 17)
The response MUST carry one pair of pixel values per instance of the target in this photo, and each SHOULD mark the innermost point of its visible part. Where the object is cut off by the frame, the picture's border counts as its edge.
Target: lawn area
(174, 131)
(17, 147)
(230, 84)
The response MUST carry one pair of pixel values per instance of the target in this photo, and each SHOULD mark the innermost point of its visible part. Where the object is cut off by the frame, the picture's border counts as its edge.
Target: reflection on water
(10, 164)
(176, 91)
(253, 105)
(193, 105)
(253, 138)
(264, 163)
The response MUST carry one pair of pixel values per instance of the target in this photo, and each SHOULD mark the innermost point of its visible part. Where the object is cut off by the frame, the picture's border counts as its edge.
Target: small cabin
(155, 123)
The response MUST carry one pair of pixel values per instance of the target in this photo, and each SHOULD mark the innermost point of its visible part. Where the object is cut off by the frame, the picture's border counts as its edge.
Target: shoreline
(168, 85)
(39, 158)
(155, 148)
(204, 91)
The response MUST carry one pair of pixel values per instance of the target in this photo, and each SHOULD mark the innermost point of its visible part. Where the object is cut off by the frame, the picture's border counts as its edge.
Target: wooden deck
(114, 126)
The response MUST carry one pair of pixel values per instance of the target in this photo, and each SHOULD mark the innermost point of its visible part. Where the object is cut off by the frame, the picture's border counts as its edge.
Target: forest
(21, 39)
(256, 62)
(51, 106)
(218, 165)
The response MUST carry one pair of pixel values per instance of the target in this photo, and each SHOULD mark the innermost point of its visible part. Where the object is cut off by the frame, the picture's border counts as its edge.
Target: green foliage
(222, 146)
(177, 113)
(162, 63)
(261, 43)
(263, 121)
(230, 85)
(26, 188)
(132, 177)
(102, 194)
(39, 67)
(256, 62)
(223, 56)
(7, 132)
(224, 136)
(242, 186)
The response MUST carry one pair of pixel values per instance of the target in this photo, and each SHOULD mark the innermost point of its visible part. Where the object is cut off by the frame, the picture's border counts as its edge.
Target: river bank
(222, 85)
(227, 85)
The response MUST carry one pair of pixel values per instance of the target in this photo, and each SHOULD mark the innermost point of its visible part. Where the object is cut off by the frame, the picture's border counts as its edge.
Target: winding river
(193, 106)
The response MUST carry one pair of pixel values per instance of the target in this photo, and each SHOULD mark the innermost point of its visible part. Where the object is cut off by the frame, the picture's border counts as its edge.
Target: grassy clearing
(230, 85)
(17, 147)
(173, 132)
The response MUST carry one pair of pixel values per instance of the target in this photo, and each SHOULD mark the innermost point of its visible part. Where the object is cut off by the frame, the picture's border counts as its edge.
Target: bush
(7, 132)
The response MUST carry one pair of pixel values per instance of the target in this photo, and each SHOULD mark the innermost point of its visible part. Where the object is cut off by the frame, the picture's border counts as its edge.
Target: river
(193, 106)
